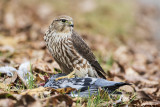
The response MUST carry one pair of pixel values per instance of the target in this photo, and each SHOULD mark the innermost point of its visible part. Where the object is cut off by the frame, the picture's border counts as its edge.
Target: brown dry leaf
(7, 95)
(131, 72)
(43, 67)
(9, 20)
(128, 88)
(55, 100)
(8, 41)
(115, 70)
(29, 101)
(151, 104)
(3, 86)
(1, 90)
(158, 92)
(7, 49)
(139, 64)
(148, 90)
(123, 55)
(39, 92)
(7, 102)
(40, 78)
(65, 90)
(133, 76)
(10, 80)
(38, 45)
(141, 95)
(35, 91)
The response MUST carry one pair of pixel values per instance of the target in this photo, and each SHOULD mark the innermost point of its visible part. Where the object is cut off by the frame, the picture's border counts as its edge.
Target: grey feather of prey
(84, 86)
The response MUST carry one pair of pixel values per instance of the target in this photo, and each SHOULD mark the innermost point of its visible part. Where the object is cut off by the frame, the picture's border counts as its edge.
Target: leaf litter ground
(129, 59)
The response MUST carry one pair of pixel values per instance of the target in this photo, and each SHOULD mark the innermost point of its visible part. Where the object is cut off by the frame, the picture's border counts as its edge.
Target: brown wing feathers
(86, 53)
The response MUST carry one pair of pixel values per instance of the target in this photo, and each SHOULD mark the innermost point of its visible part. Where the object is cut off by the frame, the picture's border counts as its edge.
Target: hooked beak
(71, 23)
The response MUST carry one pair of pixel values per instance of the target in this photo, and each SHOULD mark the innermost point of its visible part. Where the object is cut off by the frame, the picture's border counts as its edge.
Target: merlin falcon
(70, 51)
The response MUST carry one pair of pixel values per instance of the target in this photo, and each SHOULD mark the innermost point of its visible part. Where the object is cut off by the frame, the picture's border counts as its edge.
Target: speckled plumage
(70, 51)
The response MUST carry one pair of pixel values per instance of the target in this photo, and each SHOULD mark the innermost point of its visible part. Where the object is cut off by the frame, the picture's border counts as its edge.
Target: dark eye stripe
(63, 20)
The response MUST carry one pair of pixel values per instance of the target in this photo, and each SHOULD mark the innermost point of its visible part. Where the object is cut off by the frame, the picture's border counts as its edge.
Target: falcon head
(62, 24)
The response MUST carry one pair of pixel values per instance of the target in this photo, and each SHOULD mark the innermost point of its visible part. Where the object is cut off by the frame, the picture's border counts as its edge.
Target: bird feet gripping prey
(71, 75)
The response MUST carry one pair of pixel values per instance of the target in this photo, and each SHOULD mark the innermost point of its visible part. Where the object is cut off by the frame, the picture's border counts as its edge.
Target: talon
(71, 75)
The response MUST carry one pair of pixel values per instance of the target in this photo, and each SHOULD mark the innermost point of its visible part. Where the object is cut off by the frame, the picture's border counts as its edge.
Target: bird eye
(63, 20)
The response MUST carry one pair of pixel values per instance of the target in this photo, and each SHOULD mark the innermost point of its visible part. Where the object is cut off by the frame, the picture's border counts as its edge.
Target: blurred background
(124, 35)
(121, 30)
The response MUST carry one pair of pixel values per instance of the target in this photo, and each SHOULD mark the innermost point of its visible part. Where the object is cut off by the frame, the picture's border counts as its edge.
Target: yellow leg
(71, 75)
